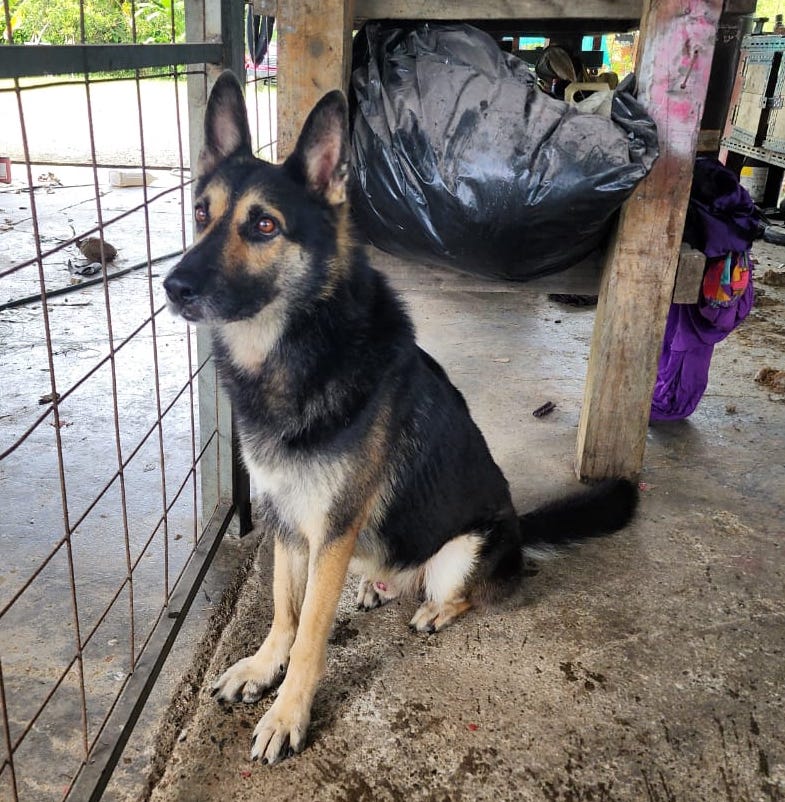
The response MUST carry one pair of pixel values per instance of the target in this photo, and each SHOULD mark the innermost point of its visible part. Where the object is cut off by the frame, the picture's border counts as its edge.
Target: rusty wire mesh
(103, 438)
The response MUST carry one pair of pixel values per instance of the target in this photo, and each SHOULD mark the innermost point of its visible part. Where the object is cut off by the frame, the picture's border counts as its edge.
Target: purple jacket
(721, 219)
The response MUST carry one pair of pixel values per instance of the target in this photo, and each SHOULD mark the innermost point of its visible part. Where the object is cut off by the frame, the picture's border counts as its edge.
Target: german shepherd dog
(363, 454)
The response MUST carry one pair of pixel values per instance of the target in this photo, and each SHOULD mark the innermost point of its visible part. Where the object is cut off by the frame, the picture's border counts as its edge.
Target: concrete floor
(647, 666)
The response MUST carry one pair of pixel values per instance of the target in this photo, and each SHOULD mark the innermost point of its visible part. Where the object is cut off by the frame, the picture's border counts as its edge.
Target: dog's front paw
(281, 732)
(248, 679)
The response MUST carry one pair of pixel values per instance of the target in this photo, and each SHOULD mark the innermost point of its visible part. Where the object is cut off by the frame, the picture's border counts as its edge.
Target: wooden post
(674, 61)
(314, 56)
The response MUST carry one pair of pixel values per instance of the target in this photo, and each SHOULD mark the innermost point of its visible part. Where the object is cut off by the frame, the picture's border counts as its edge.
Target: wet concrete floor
(646, 666)
(37, 630)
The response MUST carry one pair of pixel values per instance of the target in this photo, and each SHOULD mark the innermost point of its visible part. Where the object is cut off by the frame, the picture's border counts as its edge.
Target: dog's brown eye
(266, 226)
(200, 215)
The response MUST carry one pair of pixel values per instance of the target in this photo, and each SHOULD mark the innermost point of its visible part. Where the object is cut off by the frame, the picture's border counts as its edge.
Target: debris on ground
(130, 178)
(544, 410)
(48, 398)
(91, 249)
(774, 278)
(573, 300)
(761, 299)
(49, 180)
(84, 269)
(772, 378)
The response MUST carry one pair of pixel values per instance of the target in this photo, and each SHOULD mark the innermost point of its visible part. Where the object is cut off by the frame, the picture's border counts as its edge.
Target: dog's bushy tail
(600, 510)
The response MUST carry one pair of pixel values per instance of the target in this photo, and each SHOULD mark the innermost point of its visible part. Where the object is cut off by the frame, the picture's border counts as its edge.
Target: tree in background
(59, 22)
(770, 9)
(155, 20)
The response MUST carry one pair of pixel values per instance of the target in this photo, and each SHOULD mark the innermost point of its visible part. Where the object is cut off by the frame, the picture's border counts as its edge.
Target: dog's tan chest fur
(302, 494)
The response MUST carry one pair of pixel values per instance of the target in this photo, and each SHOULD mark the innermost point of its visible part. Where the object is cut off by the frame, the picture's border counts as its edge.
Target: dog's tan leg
(250, 677)
(281, 731)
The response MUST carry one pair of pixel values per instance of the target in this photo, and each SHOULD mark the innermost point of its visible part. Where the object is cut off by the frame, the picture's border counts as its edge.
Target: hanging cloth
(722, 222)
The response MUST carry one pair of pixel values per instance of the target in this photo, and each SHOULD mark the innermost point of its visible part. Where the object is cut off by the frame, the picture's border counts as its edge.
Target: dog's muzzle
(183, 296)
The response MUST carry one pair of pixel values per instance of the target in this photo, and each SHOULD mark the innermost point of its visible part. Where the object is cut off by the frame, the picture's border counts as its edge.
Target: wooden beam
(314, 56)
(498, 9)
(582, 278)
(674, 61)
(265, 8)
(587, 10)
(740, 6)
(709, 141)
(689, 276)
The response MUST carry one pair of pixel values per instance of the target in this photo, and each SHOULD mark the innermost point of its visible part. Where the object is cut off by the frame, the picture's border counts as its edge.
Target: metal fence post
(223, 475)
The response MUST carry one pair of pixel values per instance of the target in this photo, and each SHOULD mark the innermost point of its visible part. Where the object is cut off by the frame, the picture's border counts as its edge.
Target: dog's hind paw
(280, 732)
(371, 595)
(433, 616)
(247, 680)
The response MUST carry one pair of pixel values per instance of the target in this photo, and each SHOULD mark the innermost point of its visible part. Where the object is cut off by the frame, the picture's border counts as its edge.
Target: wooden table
(674, 61)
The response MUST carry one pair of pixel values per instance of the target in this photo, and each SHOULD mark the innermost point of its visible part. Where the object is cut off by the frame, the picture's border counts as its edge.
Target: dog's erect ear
(225, 124)
(321, 158)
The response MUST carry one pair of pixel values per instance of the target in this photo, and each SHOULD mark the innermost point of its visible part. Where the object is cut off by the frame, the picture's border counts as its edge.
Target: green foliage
(154, 19)
(621, 51)
(59, 22)
(770, 9)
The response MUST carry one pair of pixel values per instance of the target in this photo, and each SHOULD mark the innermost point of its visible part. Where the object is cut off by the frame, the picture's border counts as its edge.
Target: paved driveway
(57, 122)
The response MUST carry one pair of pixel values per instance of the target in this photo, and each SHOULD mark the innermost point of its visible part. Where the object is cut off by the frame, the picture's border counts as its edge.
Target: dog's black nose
(179, 289)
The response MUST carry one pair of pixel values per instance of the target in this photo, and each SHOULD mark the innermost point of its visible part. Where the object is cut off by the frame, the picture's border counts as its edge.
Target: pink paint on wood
(675, 65)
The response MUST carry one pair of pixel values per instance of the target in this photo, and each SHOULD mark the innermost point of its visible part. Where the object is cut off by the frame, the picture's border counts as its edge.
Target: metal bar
(233, 36)
(102, 750)
(94, 776)
(115, 405)
(190, 580)
(215, 418)
(241, 484)
(19, 61)
(67, 528)
(79, 81)
(762, 154)
(9, 761)
(206, 22)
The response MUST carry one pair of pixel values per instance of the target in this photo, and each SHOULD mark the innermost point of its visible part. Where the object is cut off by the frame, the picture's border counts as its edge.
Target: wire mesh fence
(115, 444)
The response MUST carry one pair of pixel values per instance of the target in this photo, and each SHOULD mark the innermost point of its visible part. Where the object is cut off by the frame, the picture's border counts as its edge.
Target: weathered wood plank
(689, 276)
(709, 140)
(740, 6)
(582, 278)
(516, 9)
(265, 8)
(677, 43)
(498, 9)
(314, 56)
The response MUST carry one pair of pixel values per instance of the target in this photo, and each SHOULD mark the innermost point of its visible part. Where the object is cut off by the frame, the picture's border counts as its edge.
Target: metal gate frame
(215, 39)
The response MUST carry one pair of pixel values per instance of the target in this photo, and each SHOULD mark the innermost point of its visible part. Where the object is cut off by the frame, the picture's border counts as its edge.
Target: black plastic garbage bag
(461, 160)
